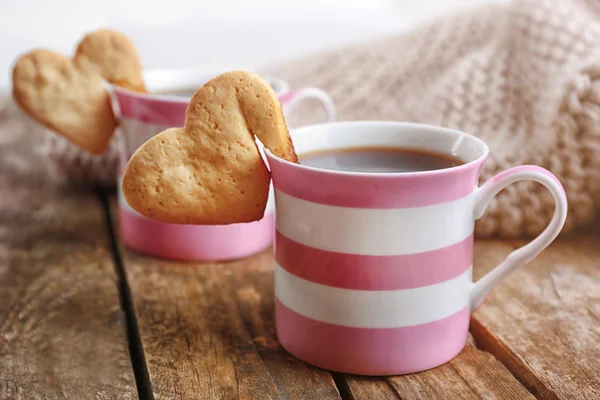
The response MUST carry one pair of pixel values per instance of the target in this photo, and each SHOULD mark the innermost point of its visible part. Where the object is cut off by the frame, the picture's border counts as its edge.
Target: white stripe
(122, 201)
(377, 232)
(372, 309)
(137, 132)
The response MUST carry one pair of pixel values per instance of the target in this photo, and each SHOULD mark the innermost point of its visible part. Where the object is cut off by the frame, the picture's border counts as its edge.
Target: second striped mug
(373, 271)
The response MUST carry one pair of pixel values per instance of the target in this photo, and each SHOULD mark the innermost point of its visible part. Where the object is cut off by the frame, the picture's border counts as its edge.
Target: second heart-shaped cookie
(68, 96)
(53, 91)
(211, 171)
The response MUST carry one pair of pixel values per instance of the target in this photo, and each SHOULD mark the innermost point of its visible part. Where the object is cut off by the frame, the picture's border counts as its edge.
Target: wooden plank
(473, 374)
(253, 283)
(207, 331)
(543, 321)
(242, 291)
(62, 332)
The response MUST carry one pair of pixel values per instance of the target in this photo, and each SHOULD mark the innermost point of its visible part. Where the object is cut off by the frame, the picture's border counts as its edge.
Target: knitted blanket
(524, 76)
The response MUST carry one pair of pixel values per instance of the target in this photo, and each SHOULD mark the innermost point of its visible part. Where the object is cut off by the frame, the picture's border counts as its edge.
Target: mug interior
(353, 134)
(178, 84)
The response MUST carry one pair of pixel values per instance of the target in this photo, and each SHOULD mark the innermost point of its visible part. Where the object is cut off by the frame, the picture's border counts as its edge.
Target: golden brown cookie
(54, 92)
(211, 172)
(112, 55)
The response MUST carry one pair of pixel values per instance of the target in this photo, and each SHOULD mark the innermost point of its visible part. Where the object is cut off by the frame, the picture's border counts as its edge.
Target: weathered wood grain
(62, 332)
(194, 341)
(543, 321)
(533, 345)
(253, 283)
(242, 329)
(207, 333)
(473, 374)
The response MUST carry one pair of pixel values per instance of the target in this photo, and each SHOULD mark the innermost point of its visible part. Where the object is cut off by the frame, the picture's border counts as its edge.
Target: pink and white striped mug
(142, 116)
(373, 272)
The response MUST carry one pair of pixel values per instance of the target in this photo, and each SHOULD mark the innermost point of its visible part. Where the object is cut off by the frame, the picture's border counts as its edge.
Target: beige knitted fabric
(523, 76)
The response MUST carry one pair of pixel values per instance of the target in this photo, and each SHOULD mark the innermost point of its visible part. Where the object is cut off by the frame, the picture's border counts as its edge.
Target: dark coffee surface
(379, 160)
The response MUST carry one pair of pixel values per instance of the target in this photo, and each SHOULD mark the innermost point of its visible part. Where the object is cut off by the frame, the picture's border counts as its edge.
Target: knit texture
(524, 76)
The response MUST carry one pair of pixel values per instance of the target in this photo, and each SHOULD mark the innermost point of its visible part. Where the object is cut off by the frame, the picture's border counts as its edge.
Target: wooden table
(83, 318)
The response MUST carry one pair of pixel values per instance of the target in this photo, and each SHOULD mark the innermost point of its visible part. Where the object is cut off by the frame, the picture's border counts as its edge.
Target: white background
(206, 34)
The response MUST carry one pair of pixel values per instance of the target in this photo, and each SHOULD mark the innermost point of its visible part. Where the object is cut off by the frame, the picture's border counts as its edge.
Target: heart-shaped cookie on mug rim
(112, 55)
(210, 172)
(68, 95)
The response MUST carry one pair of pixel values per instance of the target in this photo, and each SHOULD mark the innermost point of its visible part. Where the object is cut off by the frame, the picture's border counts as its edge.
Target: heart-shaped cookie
(211, 171)
(68, 96)
(54, 92)
(112, 55)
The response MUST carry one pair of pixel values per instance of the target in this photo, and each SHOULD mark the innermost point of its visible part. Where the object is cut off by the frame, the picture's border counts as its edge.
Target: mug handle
(294, 97)
(527, 253)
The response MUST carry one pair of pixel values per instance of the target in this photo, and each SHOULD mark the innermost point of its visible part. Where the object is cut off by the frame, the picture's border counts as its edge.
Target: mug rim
(167, 98)
(185, 77)
(379, 124)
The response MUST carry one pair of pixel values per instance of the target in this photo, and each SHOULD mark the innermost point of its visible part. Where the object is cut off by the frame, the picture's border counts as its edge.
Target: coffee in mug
(380, 160)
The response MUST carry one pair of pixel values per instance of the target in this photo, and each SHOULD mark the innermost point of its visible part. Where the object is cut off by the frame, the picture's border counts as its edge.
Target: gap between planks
(136, 351)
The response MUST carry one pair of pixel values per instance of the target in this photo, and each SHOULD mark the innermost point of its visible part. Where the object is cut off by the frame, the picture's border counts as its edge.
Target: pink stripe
(290, 95)
(374, 190)
(364, 351)
(151, 108)
(285, 97)
(195, 242)
(359, 272)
